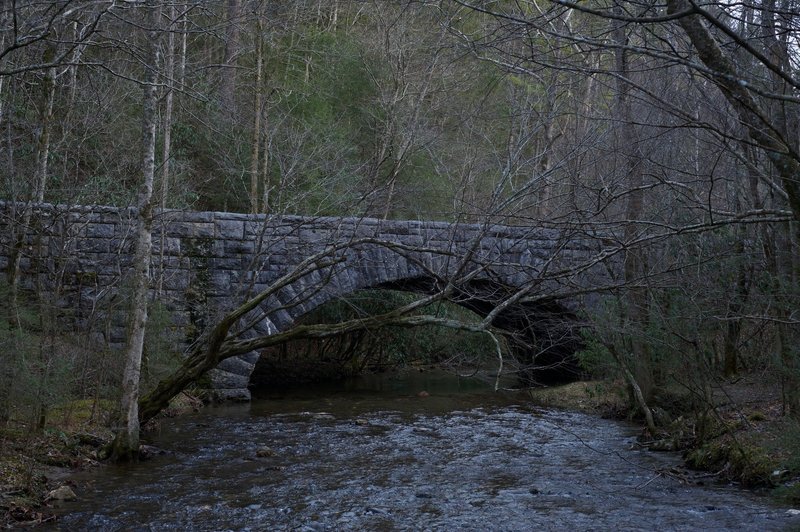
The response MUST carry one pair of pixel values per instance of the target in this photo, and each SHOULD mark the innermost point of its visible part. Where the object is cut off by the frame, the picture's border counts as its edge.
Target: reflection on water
(374, 455)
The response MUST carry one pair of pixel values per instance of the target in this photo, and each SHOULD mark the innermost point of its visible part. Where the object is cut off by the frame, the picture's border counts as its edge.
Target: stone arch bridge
(206, 262)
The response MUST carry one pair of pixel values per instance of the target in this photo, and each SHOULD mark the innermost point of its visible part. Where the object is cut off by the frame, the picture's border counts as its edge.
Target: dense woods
(672, 129)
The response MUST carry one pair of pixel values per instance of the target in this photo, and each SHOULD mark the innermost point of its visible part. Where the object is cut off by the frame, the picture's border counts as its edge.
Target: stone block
(222, 379)
(99, 230)
(411, 227)
(363, 230)
(262, 328)
(174, 281)
(236, 366)
(93, 245)
(239, 247)
(239, 216)
(267, 231)
(229, 229)
(173, 263)
(236, 265)
(124, 246)
(167, 246)
(236, 395)
(191, 229)
(203, 248)
(252, 357)
(221, 282)
(282, 319)
(196, 217)
(291, 295)
(315, 235)
(416, 241)
(437, 234)
(462, 235)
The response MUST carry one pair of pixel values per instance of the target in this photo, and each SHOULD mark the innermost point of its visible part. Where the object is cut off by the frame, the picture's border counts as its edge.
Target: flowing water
(373, 455)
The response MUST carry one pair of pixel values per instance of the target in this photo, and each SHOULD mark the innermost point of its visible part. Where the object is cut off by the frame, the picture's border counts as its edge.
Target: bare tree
(229, 73)
(126, 441)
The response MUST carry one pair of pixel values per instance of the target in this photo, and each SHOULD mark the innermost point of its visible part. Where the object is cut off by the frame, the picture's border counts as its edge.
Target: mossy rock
(789, 493)
(743, 463)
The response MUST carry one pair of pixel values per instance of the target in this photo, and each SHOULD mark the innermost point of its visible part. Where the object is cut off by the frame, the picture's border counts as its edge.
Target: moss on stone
(606, 398)
(749, 464)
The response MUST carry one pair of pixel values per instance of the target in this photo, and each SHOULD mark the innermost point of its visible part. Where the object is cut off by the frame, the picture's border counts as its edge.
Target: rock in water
(264, 452)
(63, 493)
(146, 452)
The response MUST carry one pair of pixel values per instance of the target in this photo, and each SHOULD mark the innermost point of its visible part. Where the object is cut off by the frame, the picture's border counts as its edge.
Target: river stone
(147, 452)
(63, 493)
(264, 452)
(661, 416)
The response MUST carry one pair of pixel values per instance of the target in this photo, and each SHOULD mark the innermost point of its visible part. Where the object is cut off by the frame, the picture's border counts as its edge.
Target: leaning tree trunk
(126, 442)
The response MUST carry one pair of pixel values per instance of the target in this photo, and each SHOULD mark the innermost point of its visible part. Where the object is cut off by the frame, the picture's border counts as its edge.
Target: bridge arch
(543, 335)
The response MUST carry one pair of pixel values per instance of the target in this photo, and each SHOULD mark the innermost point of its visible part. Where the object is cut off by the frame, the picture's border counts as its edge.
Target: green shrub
(595, 358)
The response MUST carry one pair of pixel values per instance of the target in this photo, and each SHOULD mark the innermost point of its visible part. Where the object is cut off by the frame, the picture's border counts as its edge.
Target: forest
(671, 129)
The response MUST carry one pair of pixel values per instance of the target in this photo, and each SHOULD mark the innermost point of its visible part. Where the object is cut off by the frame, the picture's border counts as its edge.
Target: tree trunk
(166, 154)
(126, 442)
(265, 185)
(254, 159)
(43, 145)
(628, 147)
(184, 44)
(169, 68)
(7, 364)
(76, 58)
(229, 74)
(739, 294)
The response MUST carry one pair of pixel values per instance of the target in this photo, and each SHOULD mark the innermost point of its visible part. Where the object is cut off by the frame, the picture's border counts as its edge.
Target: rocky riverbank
(35, 464)
(743, 436)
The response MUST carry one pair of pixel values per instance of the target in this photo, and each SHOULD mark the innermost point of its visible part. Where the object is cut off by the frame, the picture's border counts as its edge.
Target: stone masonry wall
(206, 262)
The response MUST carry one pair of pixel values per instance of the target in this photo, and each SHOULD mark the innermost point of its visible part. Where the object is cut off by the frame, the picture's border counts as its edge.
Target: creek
(370, 454)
